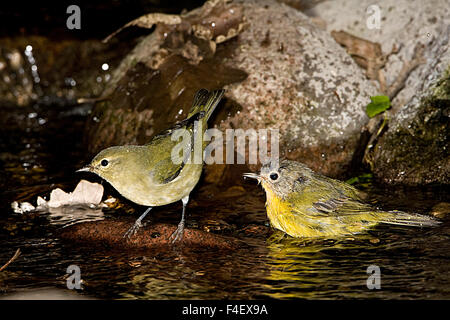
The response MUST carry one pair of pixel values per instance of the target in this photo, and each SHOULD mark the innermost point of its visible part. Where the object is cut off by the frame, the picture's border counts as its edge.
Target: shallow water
(40, 149)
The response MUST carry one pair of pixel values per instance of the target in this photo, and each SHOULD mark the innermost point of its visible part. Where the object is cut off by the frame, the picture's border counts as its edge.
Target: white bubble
(29, 48)
(105, 66)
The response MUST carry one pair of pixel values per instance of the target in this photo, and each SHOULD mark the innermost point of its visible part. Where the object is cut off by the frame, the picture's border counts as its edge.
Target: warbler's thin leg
(132, 231)
(177, 235)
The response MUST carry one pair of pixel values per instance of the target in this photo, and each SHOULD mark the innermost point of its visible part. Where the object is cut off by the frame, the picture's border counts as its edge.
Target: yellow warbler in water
(148, 174)
(303, 203)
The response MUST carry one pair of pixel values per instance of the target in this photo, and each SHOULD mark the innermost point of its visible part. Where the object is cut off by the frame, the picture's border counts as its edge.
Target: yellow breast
(297, 223)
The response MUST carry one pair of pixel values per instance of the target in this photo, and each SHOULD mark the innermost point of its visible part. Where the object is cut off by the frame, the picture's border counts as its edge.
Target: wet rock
(299, 81)
(153, 86)
(414, 148)
(147, 101)
(110, 233)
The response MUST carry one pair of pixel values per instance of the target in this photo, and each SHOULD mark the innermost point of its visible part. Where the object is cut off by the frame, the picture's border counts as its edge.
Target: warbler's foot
(177, 235)
(132, 231)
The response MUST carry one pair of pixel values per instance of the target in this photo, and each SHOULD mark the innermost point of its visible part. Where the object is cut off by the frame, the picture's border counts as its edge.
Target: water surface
(40, 149)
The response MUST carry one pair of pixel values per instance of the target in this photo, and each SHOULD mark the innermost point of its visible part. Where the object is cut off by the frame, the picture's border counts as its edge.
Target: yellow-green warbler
(303, 203)
(148, 174)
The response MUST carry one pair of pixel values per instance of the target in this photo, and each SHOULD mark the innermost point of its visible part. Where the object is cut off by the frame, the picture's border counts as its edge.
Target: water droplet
(32, 115)
(99, 79)
(29, 48)
(180, 112)
(105, 66)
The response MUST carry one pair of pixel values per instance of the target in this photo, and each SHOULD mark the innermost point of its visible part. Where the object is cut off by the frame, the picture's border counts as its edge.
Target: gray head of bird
(282, 177)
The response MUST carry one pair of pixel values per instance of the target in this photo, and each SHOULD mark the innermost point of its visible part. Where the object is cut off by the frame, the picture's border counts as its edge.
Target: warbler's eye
(274, 176)
(104, 162)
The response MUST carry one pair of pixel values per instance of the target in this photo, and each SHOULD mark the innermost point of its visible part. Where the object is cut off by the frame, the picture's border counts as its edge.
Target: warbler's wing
(320, 196)
(341, 208)
(163, 168)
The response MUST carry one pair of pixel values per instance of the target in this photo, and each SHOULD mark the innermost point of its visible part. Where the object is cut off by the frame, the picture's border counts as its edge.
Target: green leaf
(361, 179)
(378, 105)
(352, 180)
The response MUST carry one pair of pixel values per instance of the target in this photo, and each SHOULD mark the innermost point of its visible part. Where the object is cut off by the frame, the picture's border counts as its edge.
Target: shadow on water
(40, 150)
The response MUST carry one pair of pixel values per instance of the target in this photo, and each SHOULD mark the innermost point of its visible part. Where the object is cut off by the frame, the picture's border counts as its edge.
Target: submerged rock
(153, 236)
(279, 69)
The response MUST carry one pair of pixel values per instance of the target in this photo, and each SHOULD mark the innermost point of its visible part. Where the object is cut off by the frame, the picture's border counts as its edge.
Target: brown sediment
(110, 234)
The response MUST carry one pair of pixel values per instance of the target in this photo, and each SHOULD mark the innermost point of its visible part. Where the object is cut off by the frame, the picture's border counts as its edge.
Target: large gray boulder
(280, 71)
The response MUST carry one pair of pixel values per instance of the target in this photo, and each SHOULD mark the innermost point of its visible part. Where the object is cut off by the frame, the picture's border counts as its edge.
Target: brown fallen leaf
(148, 21)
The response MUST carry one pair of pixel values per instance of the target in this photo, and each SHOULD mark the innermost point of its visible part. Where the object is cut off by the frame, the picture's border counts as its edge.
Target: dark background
(98, 18)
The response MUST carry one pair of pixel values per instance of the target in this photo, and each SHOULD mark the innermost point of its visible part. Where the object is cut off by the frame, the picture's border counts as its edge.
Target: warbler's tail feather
(205, 101)
(409, 219)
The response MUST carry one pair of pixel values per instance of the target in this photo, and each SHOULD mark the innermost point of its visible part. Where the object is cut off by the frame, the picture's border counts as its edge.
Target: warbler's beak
(85, 169)
(252, 175)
